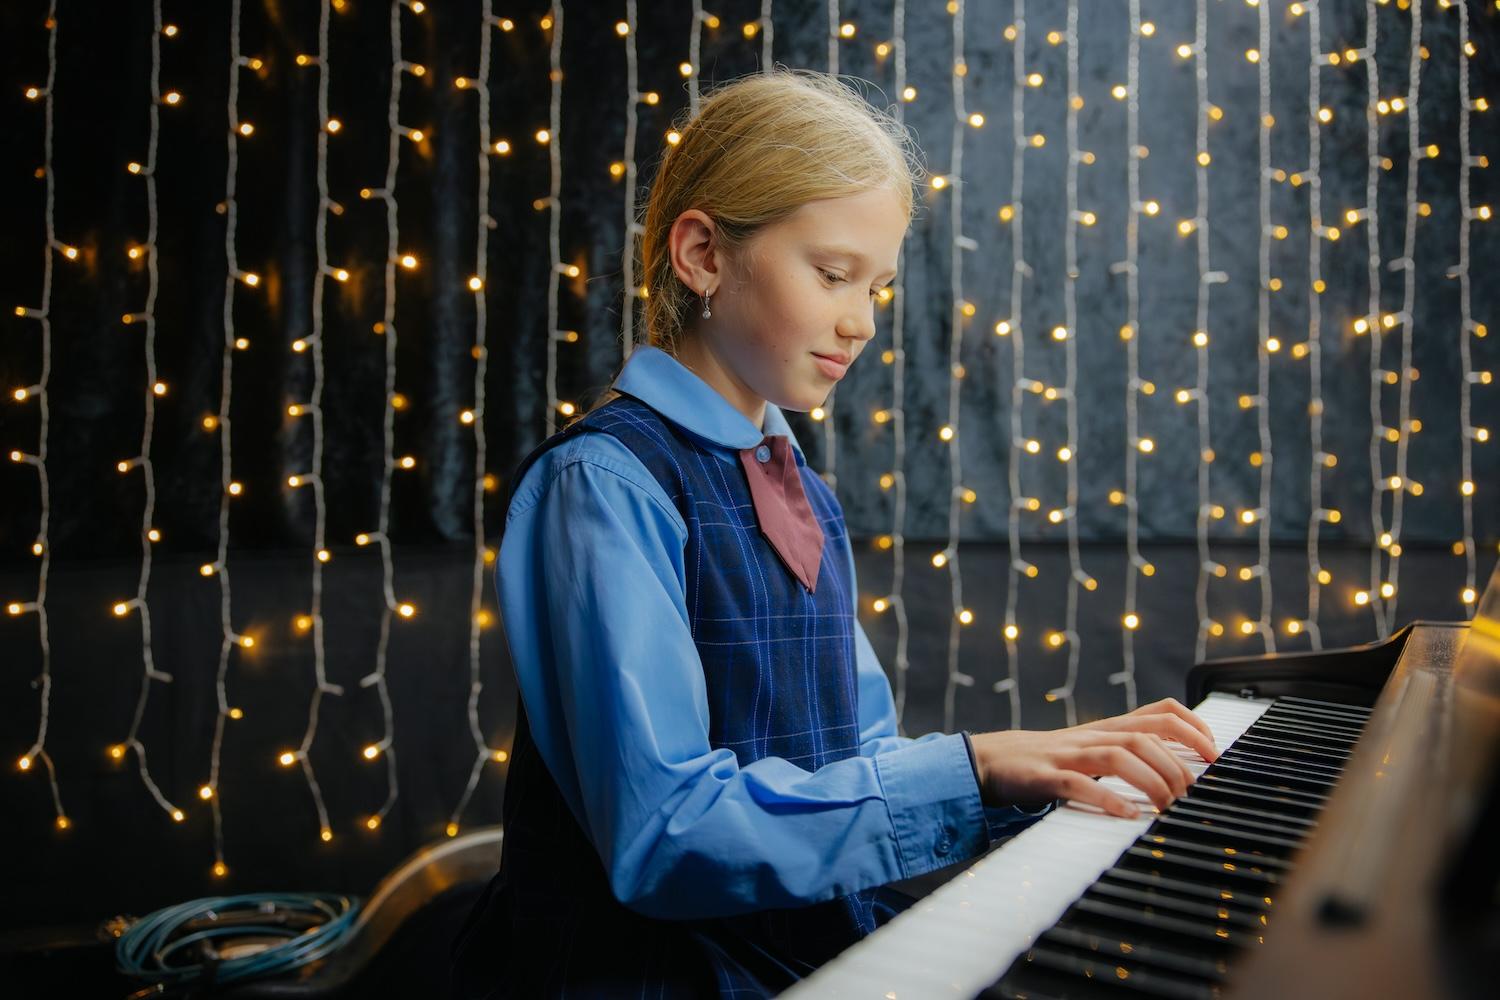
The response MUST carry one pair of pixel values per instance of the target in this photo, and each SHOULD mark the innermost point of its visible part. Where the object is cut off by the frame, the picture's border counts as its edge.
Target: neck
(697, 357)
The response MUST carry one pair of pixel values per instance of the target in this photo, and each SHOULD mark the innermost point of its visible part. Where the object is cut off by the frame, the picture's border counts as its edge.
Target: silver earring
(707, 313)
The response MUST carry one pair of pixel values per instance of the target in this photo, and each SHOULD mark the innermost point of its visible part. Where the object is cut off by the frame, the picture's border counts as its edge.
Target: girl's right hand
(1028, 769)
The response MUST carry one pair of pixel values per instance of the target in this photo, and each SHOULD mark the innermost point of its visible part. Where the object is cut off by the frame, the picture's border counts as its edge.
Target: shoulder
(611, 471)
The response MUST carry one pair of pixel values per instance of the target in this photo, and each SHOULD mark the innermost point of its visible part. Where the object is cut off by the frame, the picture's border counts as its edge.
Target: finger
(1177, 708)
(1155, 753)
(1130, 757)
(1079, 788)
(1173, 727)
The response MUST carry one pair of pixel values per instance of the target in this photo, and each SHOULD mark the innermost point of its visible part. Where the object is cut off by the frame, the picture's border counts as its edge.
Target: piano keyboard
(1082, 902)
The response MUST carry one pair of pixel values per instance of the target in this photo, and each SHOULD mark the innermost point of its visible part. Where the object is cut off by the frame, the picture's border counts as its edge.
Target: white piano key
(958, 940)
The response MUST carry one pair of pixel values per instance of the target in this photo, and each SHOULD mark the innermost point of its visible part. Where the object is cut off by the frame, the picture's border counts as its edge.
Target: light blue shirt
(591, 582)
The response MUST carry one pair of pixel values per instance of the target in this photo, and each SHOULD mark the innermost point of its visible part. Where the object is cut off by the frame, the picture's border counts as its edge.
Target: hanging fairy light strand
(958, 494)
(1401, 483)
(895, 415)
(1265, 346)
(695, 47)
(1014, 328)
(1068, 335)
(220, 422)
(314, 343)
(1208, 567)
(1317, 232)
(1468, 376)
(552, 138)
(1372, 322)
(484, 557)
(763, 27)
(627, 167)
(1135, 443)
(824, 414)
(146, 317)
(385, 746)
(42, 313)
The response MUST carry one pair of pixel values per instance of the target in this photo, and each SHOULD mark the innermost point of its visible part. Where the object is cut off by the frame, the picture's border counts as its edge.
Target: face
(795, 310)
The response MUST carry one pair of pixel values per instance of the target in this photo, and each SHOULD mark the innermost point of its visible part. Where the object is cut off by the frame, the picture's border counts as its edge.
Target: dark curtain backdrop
(98, 378)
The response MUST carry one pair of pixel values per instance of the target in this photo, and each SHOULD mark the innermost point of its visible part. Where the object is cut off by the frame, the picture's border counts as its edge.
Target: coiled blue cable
(148, 947)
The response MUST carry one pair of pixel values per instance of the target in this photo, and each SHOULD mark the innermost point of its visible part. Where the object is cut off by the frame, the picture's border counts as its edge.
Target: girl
(707, 791)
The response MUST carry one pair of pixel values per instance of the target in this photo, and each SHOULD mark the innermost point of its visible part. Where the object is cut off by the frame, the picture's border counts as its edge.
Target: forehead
(869, 225)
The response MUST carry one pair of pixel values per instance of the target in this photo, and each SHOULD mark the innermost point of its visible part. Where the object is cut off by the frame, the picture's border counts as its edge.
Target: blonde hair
(760, 148)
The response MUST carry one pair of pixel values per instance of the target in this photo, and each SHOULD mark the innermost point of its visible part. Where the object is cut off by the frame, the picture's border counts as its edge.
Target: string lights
(824, 414)
(1402, 484)
(42, 313)
(1317, 232)
(895, 414)
(958, 494)
(627, 168)
(1207, 511)
(1265, 346)
(1013, 327)
(1373, 322)
(1468, 377)
(484, 557)
(314, 342)
(234, 276)
(551, 137)
(1068, 336)
(154, 388)
(1135, 443)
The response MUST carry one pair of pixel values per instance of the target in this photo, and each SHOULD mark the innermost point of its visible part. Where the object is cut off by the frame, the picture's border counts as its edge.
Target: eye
(830, 276)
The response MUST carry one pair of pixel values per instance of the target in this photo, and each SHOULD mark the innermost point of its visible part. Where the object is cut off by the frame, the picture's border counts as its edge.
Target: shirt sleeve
(592, 581)
(878, 730)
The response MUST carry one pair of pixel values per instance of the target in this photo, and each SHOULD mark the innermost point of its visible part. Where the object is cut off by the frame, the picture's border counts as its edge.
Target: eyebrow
(843, 251)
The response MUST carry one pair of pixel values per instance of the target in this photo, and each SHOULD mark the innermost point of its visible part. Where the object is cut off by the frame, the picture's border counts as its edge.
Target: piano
(1346, 843)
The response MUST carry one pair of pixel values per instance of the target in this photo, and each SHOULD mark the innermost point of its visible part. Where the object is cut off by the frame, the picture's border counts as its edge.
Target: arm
(877, 724)
(591, 583)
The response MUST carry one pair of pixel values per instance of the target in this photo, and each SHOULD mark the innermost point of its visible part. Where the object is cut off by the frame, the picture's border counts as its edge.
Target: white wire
(1208, 568)
(1373, 315)
(554, 201)
(232, 278)
(483, 752)
(824, 414)
(147, 317)
(959, 243)
(633, 229)
(314, 344)
(42, 547)
(695, 48)
(898, 408)
(1466, 162)
(1262, 568)
(1317, 232)
(1014, 328)
(1408, 265)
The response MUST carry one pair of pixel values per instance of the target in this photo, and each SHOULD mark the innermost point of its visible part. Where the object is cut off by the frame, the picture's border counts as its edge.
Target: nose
(860, 327)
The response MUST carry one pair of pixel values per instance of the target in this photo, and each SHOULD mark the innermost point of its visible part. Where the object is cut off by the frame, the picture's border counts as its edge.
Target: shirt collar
(666, 385)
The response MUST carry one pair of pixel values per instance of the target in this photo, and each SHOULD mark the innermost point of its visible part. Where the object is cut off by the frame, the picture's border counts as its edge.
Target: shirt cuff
(934, 803)
(1004, 821)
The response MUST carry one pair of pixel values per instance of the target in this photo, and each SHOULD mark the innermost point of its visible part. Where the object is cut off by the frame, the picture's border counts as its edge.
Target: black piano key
(1334, 758)
(1191, 890)
(1175, 907)
(1223, 835)
(1284, 762)
(1158, 838)
(1126, 975)
(1224, 805)
(1216, 779)
(1224, 873)
(1288, 837)
(1306, 734)
(1207, 933)
(1363, 711)
(1216, 787)
(1233, 768)
(1106, 946)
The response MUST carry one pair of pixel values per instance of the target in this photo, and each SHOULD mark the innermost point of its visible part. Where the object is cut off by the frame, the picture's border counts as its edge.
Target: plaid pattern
(779, 666)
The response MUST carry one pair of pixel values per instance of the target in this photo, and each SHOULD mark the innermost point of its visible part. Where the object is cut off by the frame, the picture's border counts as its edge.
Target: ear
(691, 244)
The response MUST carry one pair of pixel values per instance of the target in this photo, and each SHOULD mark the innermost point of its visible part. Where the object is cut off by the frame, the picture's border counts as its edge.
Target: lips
(831, 366)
